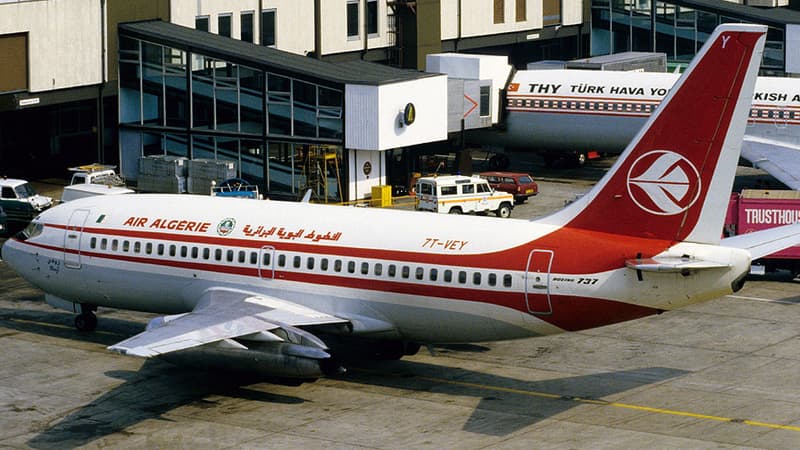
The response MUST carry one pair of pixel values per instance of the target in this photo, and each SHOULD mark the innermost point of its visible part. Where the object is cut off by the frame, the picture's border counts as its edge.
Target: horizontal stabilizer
(672, 264)
(765, 242)
(779, 159)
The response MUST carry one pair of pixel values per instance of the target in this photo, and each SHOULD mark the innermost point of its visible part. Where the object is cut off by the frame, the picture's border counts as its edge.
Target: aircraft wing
(765, 242)
(779, 159)
(222, 315)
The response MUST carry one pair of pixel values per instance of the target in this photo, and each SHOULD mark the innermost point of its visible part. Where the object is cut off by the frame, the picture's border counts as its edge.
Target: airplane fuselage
(583, 110)
(457, 279)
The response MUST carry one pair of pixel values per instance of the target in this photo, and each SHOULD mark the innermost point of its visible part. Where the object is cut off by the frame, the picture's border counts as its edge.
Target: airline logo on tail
(664, 183)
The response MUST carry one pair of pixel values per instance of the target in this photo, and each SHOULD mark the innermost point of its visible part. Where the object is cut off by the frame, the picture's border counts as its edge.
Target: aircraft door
(266, 263)
(72, 238)
(537, 282)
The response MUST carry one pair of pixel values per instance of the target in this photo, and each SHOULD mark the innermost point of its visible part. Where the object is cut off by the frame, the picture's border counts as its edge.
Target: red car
(519, 184)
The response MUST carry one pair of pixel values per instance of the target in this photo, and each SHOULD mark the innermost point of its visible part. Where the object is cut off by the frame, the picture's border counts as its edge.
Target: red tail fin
(673, 180)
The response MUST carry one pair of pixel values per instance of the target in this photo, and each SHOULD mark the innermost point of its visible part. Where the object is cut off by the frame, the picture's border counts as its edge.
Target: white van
(457, 194)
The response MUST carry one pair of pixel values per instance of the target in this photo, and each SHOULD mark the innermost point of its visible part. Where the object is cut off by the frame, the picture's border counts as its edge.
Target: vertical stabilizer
(674, 179)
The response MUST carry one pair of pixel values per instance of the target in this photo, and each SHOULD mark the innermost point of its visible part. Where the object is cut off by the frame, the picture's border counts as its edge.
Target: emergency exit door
(537, 282)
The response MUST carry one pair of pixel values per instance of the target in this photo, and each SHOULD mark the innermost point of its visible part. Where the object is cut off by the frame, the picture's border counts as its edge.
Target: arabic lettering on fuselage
(260, 231)
(264, 231)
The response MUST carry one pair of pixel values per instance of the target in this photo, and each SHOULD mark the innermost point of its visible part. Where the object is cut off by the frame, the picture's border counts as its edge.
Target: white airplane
(280, 288)
(546, 107)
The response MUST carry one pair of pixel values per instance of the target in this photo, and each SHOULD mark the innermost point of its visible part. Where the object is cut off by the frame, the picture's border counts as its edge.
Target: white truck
(94, 179)
(458, 194)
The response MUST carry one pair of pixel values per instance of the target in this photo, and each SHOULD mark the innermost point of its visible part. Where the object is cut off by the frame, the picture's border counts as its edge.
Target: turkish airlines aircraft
(279, 287)
(545, 107)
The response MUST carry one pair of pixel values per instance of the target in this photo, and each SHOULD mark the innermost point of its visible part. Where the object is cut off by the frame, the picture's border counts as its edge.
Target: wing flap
(222, 315)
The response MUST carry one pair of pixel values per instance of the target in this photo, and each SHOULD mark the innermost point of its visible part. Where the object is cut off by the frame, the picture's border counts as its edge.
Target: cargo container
(755, 210)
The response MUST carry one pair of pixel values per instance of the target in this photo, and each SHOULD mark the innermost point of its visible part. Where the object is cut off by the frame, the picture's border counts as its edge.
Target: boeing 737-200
(280, 287)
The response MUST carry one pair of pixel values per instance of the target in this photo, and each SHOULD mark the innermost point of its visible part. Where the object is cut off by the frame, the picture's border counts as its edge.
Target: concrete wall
(64, 41)
(476, 17)
(373, 114)
(360, 183)
(334, 27)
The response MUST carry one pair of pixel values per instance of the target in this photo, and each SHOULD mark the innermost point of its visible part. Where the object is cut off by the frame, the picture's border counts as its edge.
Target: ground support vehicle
(20, 201)
(96, 174)
(457, 194)
(518, 184)
(756, 209)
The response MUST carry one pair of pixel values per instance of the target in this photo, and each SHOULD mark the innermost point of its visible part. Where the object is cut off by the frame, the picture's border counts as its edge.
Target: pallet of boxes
(162, 173)
(205, 172)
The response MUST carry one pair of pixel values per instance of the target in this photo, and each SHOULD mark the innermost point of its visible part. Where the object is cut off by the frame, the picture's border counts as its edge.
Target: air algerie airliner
(283, 287)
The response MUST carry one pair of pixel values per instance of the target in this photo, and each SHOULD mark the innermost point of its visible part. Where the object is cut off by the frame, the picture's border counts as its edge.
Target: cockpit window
(31, 231)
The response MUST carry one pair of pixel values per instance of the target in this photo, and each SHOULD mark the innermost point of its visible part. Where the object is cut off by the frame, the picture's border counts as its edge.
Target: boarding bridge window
(378, 269)
(337, 265)
(160, 249)
(310, 263)
(392, 270)
(114, 245)
(218, 254)
(351, 267)
(206, 253)
(281, 260)
(93, 242)
(296, 262)
(467, 188)
(448, 190)
(486, 101)
(434, 274)
(364, 268)
(148, 248)
(492, 279)
(448, 276)
(323, 264)
(184, 251)
(483, 188)
(507, 280)
(462, 277)
(405, 272)
(476, 278)
(126, 246)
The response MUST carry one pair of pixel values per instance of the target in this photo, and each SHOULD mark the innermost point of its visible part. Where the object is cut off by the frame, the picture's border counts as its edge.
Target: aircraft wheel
(86, 322)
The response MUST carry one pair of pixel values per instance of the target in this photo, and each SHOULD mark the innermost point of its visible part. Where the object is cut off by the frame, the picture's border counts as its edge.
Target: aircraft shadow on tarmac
(506, 404)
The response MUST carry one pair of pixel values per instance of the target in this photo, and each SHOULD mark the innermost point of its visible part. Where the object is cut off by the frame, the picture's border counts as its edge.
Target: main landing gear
(86, 321)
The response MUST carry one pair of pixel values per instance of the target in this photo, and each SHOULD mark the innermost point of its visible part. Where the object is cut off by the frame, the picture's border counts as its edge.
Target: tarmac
(721, 374)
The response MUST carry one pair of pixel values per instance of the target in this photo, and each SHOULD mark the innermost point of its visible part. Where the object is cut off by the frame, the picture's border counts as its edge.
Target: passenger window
(253, 258)
(476, 278)
(419, 273)
(323, 264)
(114, 245)
(378, 269)
(265, 259)
(434, 274)
(137, 247)
(337, 265)
(184, 251)
(462, 277)
(392, 270)
(126, 246)
(103, 243)
(148, 248)
(448, 276)
(218, 254)
(507, 280)
(492, 280)
(172, 250)
(351, 267)
(93, 242)
(242, 256)
(310, 263)
(364, 268)
(160, 250)
(406, 272)
(206, 253)
(449, 190)
(296, 262)
(281, 260)
(229, 255)
(467, 188)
